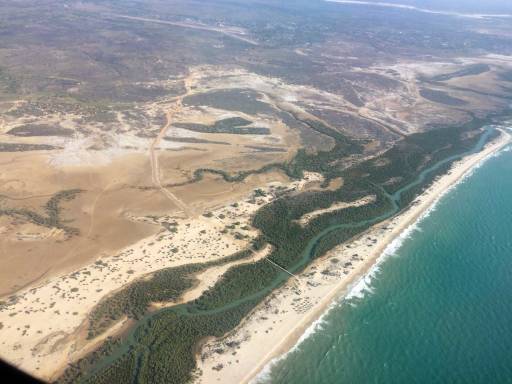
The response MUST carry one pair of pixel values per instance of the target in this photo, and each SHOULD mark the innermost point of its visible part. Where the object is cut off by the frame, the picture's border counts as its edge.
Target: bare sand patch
(208, 278)
(335, 184)
(306, 218)
(97, 212)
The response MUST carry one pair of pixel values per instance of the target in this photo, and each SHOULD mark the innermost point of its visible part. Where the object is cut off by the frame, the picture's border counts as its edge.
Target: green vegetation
(171, 337)
(239, 100)
(75, 369)
(194, 140)
(233, 125)
(161, 348)
(470, 70)
(21, 147)
(53, 211)
(29, 130)
(261, 148)
(328, 163)
(405, 160)
(163, 286)
(507, 76)
(441, 97)
(8, 84)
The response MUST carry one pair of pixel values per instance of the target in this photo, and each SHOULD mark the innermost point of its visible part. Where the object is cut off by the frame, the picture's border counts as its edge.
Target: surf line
(424, 10)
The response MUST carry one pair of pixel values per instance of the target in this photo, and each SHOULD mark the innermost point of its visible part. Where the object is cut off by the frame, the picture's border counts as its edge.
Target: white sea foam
(363, 286)
(358, 290)
(424, 10)
(265, 374)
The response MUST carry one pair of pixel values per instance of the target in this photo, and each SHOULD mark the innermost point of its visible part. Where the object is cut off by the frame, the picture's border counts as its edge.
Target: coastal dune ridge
(390, 236)
(364, 285)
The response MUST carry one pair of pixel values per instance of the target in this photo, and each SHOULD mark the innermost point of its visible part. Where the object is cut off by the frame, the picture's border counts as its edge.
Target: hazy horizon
(491, 6)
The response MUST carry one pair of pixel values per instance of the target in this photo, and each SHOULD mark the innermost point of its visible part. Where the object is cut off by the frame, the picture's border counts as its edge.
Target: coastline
(297, 307)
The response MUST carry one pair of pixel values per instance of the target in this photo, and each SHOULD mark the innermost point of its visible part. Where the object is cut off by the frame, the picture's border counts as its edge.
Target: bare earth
(306, 218)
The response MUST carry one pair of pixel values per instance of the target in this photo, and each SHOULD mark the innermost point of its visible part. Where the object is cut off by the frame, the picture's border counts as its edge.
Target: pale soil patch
(100, 211)
(310, 180)
(213, 192)
(306, 218)
(335, 184)
(381, 162)
(209, 277)
(108, 174)
(97, 212)
(23, 231)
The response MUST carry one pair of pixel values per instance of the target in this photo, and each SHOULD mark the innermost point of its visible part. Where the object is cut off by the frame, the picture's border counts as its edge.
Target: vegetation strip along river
(130, 341)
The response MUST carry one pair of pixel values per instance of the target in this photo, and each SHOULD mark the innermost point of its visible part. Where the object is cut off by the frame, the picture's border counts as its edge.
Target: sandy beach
(278, 324)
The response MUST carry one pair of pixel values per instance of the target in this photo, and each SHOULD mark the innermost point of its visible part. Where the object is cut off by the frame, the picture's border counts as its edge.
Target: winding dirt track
(155, 167)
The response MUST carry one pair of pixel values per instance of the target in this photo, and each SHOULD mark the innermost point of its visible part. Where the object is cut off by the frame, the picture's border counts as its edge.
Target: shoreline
(259, 355)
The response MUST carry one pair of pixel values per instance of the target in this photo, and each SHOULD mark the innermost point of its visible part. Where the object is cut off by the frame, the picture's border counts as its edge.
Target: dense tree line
(164, 285)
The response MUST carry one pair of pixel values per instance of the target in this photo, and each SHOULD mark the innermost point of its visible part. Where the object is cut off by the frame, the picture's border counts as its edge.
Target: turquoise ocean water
(438, 309)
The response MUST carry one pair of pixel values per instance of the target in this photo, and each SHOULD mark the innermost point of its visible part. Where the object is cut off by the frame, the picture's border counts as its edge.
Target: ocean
(437, 309)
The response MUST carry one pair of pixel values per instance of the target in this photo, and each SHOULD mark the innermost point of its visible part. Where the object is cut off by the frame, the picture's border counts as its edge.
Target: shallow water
(438, 310)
